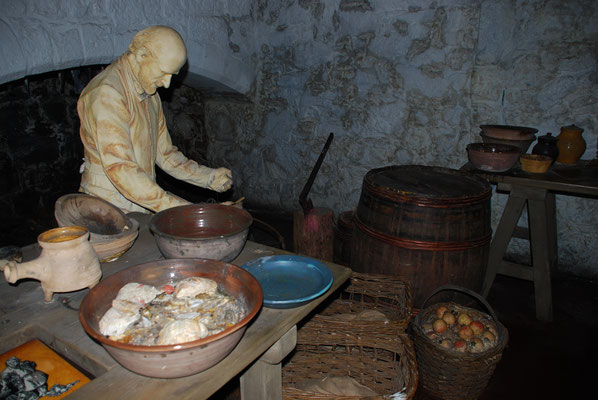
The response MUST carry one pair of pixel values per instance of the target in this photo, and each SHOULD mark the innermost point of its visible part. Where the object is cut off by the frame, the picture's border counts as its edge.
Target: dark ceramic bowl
(493, 157)
(522, 144)
(176, 360)
(213, 231)
(509, 132)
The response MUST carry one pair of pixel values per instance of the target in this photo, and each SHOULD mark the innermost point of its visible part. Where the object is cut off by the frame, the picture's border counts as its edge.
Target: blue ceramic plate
(290, 281)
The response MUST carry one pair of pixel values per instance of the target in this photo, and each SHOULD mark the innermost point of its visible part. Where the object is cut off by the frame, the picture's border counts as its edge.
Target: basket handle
(463, 290)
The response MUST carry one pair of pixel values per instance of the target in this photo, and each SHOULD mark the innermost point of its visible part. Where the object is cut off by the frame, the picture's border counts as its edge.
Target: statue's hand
(221, 180)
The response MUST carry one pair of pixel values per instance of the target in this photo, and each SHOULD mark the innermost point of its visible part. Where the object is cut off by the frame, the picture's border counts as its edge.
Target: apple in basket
(464, 319)
(439, 326)
(477, 327)
(449, 318)
(492, 329)
(488, 337)
(440, 311)
(446, 344)
(476, 345)
(465, 332)
(460, 345)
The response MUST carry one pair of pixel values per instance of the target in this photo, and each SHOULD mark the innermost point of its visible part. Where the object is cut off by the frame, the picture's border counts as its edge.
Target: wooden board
(58, 369)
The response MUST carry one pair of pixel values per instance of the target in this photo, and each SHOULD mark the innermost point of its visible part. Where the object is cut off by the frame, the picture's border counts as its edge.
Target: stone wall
(409, 83)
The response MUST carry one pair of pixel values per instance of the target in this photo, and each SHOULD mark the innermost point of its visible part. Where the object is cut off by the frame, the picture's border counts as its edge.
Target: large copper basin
(177, 360)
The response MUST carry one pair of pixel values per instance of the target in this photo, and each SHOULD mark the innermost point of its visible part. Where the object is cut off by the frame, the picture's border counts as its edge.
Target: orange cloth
(124, 135)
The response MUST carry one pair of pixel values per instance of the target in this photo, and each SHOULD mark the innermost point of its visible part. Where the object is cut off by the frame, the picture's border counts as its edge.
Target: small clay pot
(547, 146)
(571, 144)
(67, 262)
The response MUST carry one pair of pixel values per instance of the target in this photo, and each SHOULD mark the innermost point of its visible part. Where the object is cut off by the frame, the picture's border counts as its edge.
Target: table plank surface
(580, 178)
(24, 315)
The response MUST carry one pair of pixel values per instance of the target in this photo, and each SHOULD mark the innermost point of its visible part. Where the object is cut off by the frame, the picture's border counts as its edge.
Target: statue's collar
(139, 91)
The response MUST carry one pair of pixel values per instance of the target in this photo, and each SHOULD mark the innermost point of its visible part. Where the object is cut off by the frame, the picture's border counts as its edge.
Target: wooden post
(313, 233)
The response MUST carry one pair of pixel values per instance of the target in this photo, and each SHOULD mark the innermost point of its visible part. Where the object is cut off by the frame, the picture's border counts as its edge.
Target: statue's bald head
(154, 50)
(160, 40)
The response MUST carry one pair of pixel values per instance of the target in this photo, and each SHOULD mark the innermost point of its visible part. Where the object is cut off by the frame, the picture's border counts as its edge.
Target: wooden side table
(537, 193)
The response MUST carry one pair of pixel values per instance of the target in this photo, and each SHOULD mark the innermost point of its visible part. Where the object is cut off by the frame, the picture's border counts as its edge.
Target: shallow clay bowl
(111, 232)
(522, 144)
(213, 231)
(176, 360)
(509, 132)
(535, 163)
(493, 157)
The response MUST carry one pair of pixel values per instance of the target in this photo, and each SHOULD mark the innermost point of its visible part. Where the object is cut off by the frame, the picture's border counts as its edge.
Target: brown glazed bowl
(493, 157)
(535, 163)
(176, 360)
(522, 144)
(213, 231)
(509, 132)
(111, 232)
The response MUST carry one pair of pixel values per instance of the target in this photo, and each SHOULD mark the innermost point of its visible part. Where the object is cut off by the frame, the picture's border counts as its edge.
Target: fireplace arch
(39, 36)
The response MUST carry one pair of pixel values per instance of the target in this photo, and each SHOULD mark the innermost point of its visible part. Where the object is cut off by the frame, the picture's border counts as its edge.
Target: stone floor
(543, 360)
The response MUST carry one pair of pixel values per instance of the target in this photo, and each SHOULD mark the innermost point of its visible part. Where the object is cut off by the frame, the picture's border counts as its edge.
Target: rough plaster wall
(408, 82)
(39, 36)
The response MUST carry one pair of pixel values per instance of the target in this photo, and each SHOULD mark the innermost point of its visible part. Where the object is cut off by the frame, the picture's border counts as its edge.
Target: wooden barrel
(428, 225)
(343, 232)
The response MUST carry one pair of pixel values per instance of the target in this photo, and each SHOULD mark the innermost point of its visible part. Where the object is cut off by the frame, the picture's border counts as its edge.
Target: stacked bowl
(519, 136)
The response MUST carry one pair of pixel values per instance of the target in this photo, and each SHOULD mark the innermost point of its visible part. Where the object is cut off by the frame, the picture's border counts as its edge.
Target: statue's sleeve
(118, 157)
(174, 162)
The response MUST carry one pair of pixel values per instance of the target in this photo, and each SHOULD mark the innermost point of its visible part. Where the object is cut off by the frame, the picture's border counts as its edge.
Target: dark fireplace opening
(41, 152)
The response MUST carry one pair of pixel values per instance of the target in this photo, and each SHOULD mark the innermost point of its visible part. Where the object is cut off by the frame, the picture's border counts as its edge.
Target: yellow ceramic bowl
(535, 163)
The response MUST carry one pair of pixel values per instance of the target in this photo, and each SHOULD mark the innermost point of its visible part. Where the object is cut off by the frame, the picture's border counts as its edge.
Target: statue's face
(157, 72)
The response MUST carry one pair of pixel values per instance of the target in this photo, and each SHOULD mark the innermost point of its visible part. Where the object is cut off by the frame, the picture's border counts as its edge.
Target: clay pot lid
(547, 138)
(572, 127)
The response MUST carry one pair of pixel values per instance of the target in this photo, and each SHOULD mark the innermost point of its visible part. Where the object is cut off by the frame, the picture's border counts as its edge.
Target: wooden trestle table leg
(543, 243)
(263, 379)
(502, 237)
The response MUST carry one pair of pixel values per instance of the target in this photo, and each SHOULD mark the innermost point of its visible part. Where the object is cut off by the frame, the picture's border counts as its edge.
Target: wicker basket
(449, 375)
(387, 294)
(385, 364)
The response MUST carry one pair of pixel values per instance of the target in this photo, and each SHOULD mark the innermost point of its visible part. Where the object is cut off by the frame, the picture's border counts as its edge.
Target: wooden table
(537, 192)
(267, 340)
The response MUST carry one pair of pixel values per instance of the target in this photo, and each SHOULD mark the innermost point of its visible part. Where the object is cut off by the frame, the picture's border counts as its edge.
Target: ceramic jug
(547, 146)
(66, 263)
(571, 144)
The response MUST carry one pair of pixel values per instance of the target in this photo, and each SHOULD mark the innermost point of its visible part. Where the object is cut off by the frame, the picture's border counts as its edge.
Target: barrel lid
(426, 182)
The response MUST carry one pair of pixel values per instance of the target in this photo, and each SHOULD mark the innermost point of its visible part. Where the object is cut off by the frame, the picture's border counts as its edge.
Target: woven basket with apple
(457, 347)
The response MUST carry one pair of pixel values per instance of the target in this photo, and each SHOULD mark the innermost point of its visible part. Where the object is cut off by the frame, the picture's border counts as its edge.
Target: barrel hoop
(421, 244)
(343, 235)
(438, 202)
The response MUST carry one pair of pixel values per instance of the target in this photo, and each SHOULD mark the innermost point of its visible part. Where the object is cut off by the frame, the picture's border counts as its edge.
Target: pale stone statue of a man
(124, 132)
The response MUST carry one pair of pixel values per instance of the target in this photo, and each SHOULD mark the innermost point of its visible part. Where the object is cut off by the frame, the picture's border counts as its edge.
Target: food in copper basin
(177, 312)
